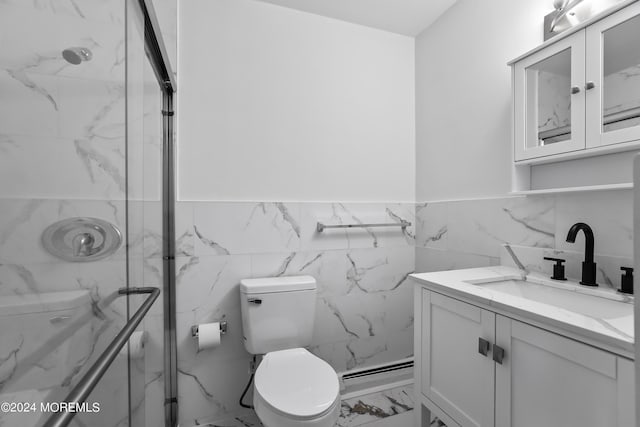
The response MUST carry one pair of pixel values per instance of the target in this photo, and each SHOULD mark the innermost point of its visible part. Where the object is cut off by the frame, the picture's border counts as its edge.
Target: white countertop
(614, 335)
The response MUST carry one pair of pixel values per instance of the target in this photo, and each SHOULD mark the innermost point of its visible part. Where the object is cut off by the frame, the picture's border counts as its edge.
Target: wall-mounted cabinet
(613, 79)
(579, 96)
(549, 101)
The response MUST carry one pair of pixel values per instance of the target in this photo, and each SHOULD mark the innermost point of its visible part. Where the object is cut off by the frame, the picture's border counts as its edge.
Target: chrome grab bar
(87, 383)
(320, 227)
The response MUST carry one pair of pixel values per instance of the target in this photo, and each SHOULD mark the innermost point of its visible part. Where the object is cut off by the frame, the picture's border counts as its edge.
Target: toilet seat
(296, 384)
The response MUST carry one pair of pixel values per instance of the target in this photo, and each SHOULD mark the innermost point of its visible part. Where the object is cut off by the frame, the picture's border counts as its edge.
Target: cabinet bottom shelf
(621, 186)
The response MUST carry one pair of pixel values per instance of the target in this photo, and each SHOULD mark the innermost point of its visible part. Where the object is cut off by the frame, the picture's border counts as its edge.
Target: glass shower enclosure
(86, 219)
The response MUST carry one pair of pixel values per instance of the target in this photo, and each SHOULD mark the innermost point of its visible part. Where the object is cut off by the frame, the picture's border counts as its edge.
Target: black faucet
(588, 266)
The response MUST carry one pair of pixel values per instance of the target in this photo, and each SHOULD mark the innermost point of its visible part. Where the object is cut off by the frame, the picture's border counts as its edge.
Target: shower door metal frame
(159, 60)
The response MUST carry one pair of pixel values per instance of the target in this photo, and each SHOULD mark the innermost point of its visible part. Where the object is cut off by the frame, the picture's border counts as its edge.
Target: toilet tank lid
(277, 284)
(44, 302)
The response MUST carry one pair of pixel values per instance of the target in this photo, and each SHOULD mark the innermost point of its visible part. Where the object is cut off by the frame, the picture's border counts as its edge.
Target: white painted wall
(278, 104)
(463, 96)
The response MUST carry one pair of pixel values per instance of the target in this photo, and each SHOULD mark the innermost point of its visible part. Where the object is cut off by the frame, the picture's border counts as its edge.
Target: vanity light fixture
(569, 13)
(563, 9)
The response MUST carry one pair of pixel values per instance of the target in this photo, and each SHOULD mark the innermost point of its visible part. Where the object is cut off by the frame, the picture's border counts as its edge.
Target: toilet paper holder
(223, 329)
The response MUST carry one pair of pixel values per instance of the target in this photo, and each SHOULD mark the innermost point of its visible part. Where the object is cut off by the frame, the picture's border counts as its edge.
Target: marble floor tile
(361, 410)
(242, 419)
(392, 407)
(405, 419)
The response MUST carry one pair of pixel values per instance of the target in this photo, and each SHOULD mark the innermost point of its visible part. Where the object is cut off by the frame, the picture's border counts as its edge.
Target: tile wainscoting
(470, 233)
(363, 314)
(364, 311)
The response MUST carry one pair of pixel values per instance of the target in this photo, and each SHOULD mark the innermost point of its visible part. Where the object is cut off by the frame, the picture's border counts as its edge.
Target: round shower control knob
(81, 239)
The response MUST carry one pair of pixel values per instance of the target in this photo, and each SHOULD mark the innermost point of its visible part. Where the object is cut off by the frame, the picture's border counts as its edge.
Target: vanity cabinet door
(613, 78)
(549, 380)
(549, 100)
(455, 376)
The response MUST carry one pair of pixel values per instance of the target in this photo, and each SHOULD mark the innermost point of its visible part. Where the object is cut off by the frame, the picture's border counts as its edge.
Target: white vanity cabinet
(581, 93)
(541, 378)
(455, 376)
(549, 380)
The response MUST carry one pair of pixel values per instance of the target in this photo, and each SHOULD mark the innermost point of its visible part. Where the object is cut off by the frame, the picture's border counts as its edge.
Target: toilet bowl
(294, 388)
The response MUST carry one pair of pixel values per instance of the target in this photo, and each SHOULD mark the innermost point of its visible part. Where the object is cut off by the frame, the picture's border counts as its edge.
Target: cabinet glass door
(549, 87)
(553, 100)
(613, 79)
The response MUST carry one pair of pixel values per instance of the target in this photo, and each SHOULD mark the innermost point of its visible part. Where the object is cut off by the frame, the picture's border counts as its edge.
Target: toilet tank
(42, 327)
(277, 312)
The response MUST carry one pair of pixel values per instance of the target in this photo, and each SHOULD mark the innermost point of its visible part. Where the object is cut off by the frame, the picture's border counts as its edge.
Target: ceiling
(408, 17)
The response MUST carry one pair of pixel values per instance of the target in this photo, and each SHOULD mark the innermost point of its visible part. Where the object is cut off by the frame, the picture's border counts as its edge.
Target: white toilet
(293, 388)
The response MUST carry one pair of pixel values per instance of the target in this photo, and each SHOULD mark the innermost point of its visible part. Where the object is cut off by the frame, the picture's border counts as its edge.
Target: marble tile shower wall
(51, 109)
(62, 154)
(471, 233)
(363, 313)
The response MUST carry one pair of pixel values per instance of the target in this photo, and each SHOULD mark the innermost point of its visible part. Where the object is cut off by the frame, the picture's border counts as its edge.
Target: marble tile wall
(63, 154)
(471, 233)
(26, 268)
(608, 267)
(62, 126)
(363, 314)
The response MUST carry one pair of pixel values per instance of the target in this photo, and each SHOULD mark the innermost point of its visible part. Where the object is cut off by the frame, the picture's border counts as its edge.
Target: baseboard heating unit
(372, 379)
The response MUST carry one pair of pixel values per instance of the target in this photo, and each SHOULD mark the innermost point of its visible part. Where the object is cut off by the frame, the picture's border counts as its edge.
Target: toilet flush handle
(256, 301)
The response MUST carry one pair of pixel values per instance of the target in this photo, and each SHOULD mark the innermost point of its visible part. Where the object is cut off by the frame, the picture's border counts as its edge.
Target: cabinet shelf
(621, 186)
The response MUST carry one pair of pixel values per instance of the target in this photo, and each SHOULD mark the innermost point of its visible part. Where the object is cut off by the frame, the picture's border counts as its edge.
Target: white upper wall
(463, 96)
(408, 17)
(278, 104)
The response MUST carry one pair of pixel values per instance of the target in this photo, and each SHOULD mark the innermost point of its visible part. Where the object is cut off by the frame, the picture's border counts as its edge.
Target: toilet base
(270, 418)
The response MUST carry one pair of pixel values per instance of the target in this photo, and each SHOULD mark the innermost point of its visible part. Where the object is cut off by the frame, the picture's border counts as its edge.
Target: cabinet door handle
(589, 85)
(483, 346)
(498, 354)
(575, 90)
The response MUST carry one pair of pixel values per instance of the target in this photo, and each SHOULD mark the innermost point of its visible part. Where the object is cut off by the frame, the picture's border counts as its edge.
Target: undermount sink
(592, 303)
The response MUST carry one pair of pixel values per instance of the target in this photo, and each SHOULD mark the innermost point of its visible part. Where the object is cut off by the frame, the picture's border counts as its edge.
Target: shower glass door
(145, 221)
(80, 140)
